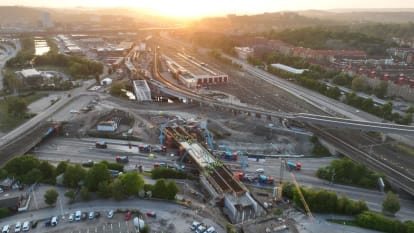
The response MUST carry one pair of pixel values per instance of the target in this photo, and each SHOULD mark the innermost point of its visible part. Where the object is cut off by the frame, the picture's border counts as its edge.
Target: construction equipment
(280, 184)
(302, 198)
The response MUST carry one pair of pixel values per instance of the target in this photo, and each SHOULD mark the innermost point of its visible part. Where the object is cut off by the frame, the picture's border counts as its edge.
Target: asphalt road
(61, 149)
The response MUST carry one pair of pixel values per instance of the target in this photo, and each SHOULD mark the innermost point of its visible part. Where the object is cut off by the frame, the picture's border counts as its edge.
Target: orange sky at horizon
(200, 8)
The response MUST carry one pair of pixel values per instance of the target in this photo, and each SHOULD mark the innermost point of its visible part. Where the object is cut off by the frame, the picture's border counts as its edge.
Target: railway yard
(215, 142)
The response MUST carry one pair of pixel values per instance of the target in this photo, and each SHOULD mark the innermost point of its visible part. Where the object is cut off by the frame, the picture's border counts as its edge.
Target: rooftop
(288, 68)
(30, 73)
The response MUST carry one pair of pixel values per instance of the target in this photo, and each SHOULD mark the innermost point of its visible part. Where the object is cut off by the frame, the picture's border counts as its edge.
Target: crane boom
(302, 198)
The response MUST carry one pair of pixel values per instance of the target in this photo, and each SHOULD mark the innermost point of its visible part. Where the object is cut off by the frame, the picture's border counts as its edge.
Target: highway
(62, 149)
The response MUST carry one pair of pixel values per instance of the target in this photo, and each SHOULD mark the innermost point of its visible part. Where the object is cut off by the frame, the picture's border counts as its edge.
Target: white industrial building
(193, 73)
(288, 68)
(142, 90)
(244, 52)
(107, 126)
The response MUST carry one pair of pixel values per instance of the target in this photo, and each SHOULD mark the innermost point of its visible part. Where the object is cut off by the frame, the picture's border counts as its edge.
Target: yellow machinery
(283, 166)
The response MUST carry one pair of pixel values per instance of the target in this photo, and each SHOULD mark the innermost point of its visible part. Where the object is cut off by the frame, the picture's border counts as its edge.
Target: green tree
(159, 189)
(16, 106)
(97, 174)
(4, 212)
(381, 89)
(359, 84)
(71, 194)
(21, 165)
(117, 190)
(131, 183)
(104, 189)
(391, 203)
(230, 228)
(51, 196)
(73, 176)
(61, 167)
(171, 190)
(116, 89)
(48, 172)
(85, 194)
(32, 176)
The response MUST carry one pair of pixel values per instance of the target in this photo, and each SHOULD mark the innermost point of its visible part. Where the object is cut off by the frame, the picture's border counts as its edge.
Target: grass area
(9, 122)
(404, 149)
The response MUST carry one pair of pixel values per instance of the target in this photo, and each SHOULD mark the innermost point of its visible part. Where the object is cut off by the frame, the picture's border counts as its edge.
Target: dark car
(48, 223)
(97, 214)
(84, 216)
(34, 224)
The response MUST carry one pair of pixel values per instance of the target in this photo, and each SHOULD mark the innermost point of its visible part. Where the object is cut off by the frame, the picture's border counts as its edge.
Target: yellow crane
(283, 166)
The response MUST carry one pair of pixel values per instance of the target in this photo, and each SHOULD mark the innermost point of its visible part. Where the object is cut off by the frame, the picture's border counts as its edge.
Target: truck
(231, 157)
(266, 179)
(101, 144)
(121, 159)
(144, 148)
(295, 166)
(160, 165)
(159, 149)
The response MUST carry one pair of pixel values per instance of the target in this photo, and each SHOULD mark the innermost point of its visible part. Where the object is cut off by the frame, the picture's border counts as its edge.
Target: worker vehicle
(266, 179)
(121, 159)
(159, 149)
(144, 148)
(101, 144)
(160, 165)
(294, 166)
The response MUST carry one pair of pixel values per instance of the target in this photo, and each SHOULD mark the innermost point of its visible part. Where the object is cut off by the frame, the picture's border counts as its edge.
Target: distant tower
(46, 20)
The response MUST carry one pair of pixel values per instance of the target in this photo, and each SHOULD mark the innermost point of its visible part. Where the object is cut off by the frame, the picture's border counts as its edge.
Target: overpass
(217, 179)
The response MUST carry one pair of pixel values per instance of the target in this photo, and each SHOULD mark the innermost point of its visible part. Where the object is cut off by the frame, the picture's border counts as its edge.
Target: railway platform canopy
(142, 90)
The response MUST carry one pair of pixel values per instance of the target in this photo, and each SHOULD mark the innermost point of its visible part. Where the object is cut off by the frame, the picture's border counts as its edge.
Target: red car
(151, 214)
(128, 215)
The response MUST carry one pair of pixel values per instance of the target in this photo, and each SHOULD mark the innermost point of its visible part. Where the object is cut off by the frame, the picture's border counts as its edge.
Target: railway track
(395, 176)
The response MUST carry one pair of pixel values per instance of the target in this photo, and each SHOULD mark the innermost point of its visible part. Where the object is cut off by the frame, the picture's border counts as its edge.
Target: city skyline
(193, 8)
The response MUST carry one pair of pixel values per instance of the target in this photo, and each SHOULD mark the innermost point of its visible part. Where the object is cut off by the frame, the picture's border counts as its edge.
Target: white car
(6, 229)
(54, 221)
(18, 227)
(78, 215)
(211, 230)
(260, 170)
(71, 217)
(26, 226)
(111, 214)
(91, 215)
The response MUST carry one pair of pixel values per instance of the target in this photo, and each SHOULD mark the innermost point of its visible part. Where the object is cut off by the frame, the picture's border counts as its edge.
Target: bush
(347, 172)
(162, 172)
(378, 222)
(4, 212)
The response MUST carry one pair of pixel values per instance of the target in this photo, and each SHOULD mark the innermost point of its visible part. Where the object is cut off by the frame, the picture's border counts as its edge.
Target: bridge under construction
(216, 178)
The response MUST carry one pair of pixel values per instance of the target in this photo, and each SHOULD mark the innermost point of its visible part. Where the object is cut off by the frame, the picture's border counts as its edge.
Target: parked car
(84, 216)
(34, 224)
(78, 215)
(110, 214)
(54, 221)
(194, 225)
(91, 215)
(48, 223)
(26, 226)
(71, 217)
(201, 229)
(211, 230)
(97, 214)
(128, 215)
(6, 229)
(18, 227)
(151, 214)
(260, 170)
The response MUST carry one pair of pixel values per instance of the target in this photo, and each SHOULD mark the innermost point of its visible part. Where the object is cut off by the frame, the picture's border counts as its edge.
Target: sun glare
(182, 9)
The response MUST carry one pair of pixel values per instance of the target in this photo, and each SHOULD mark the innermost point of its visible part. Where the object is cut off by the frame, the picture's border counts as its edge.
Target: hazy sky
(215, 7)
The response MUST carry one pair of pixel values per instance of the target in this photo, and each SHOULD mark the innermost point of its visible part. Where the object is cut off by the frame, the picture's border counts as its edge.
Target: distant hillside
(363, 15)
(260, 22)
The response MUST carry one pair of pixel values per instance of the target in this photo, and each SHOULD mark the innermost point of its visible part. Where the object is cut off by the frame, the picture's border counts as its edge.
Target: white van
(78, 215)
(194, 225)
(54, 221)
(211, 230)
(26, 226)
(6, 229)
